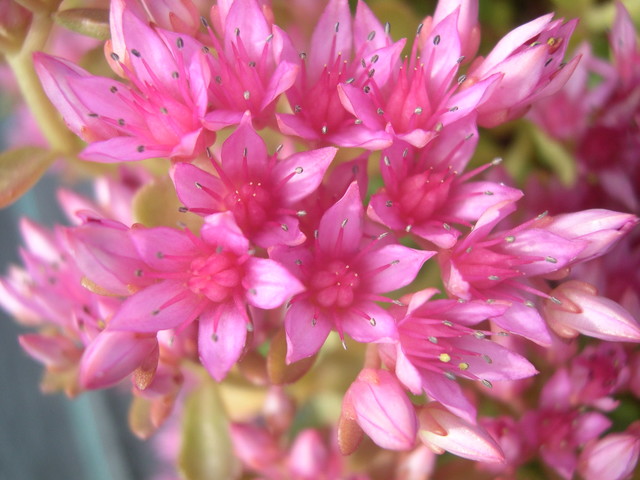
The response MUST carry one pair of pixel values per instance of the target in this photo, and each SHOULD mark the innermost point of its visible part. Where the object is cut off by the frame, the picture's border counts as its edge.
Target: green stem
(60, 139)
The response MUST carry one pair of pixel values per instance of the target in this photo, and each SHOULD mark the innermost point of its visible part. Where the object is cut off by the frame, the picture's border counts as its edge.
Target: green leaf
(20, 169)
(92, 22)
(206, 451)
(556, 156)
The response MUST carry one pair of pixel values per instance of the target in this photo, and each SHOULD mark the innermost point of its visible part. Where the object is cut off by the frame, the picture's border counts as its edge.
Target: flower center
(252, 206)
(423, 194)
(335, 285)
(216, 276)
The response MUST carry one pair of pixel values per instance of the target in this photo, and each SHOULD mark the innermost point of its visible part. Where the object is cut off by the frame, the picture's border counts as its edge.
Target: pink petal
(341, 226)
(164, 249)
(221, 230)
(449, 393)
(145, 311)
(379, 326)
(403, 264)
(304, 337)
(244, 153)
(322, 50)
(281, 80)
(268, 283)
(220, 346)
(189, 180)
(305, 171)
(248, 18)
(496, 362)
(122, 149)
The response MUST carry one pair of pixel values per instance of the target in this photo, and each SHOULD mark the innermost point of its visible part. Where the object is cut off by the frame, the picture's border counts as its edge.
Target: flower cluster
(365, 225)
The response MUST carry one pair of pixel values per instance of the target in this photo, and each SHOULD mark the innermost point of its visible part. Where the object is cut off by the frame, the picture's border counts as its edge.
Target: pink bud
(256, 448)
(378, 403)
(613, 457)
(601, 229)
(309, 456)
(112, 356)
(582, 310)
(56, 351)
(441, 430)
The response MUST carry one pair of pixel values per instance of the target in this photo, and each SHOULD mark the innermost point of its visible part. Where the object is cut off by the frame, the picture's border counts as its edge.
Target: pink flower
(343, 273)
(379, 405)
(528, 62)
(422, 96)
(158, 115)
(260, 190)
(437, 344)
(425, 194)
(342, 51)
(212, 279)
(247, 67)
(502, 266)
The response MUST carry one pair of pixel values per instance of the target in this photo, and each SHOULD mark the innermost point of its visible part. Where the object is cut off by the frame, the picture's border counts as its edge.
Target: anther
(488, 192)
(388, 203)
(461, 79)
(140, 148)
(445, 357)
(510, 239)
(486, 383)
(246, 94)
(375, 58)
(372, 321)
(115, 56)
(344, 223)
(337, 27)
(135, 52)
(113, 89)
(387, 28)
(350, 80)
(324, 129)
(419, 29)
(463, 366)
(493, 277)
(284, 227)
(372, 35)
(432, 339)
(436, 40)
(237, 32)
(180, 42)
(551, 259)
(386, 161)
(299, 170)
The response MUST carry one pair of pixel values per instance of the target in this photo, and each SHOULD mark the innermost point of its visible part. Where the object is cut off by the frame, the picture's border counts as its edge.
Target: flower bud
(380, 406)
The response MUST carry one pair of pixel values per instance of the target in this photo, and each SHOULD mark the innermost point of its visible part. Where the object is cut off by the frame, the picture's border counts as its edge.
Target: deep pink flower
(159, 114)
(211, 279)
(248, 70)
(344, 272)
(380, 406)
(425, 193)
(342, 50)
(260, 190)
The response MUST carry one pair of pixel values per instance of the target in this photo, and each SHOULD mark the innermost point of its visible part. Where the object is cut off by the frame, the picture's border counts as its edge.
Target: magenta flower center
(335, 285)
(216, 276)
(252, 206)
(421, 195)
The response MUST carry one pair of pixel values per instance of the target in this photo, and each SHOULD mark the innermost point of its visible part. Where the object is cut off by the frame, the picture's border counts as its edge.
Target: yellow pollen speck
(445, 357)
(463, 366)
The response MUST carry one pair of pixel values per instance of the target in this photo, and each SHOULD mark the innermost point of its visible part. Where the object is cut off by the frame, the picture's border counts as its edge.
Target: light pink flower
(613, 457)
(528, 61)
(260, 190)
(344, 272)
